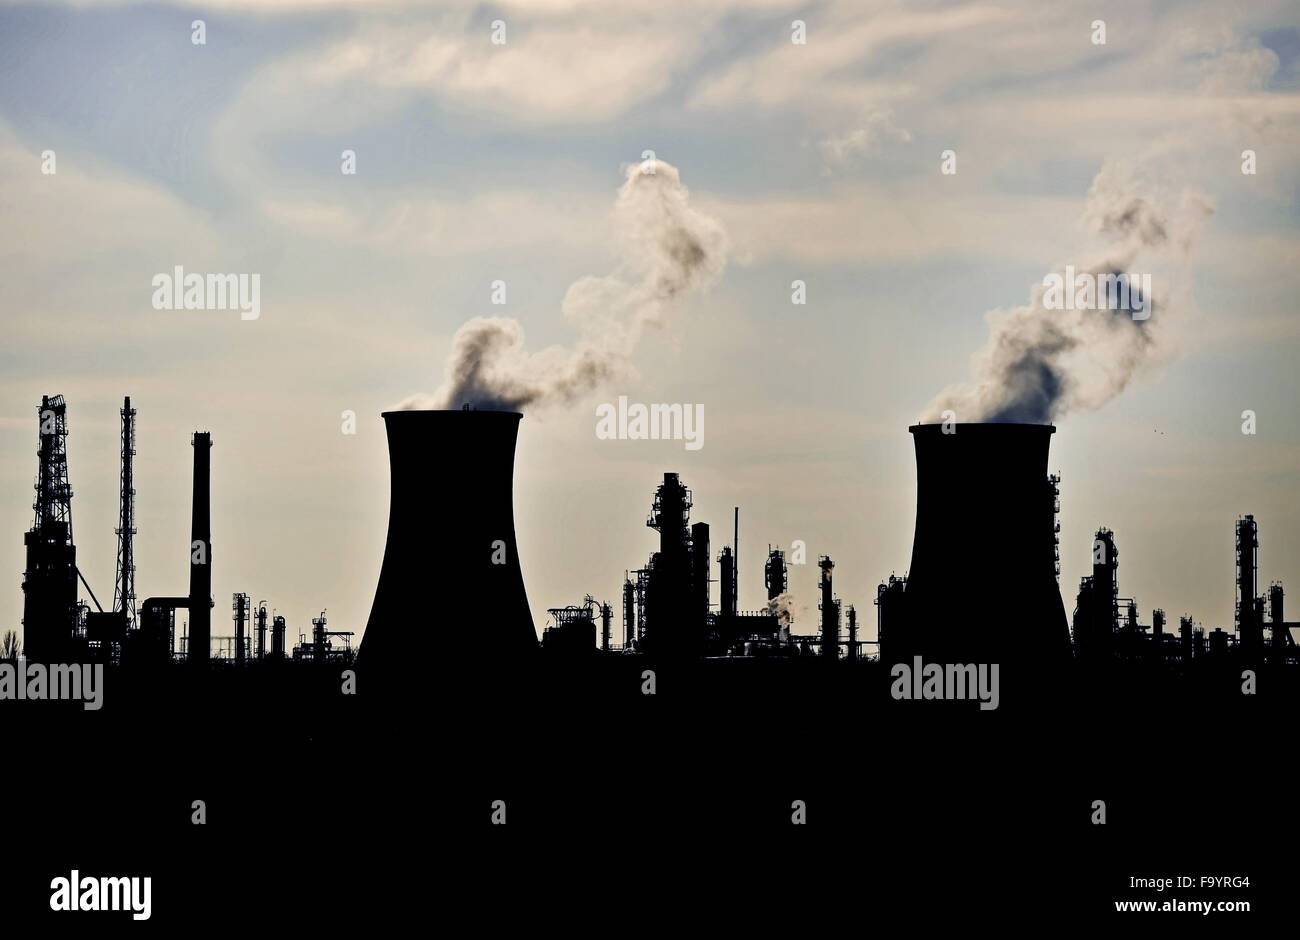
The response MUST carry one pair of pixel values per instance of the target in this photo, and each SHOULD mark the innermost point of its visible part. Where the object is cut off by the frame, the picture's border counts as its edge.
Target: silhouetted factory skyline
(939, 610)
(982, 585)
(60, 627)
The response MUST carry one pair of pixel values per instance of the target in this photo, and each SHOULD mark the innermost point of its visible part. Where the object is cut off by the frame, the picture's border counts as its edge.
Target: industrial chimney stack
(201, 551)
(1250, 622)
(830, 608)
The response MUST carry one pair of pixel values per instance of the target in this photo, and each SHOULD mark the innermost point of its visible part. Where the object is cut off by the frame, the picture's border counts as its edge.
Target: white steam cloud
(667, 250)
(1041, 363)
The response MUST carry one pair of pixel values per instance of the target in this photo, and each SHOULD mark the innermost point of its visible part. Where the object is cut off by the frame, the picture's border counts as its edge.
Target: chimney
(853, 634)
(240, 607)
(982, 584)
(1250, 623)
(830, 608)
(1158, 635)
(629, 614)
(700, 576)
(201, 551)
(450, 580)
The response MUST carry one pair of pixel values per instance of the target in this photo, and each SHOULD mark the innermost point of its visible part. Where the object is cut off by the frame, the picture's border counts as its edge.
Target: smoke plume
(666, 251)
(1041, 363)
(784, 607)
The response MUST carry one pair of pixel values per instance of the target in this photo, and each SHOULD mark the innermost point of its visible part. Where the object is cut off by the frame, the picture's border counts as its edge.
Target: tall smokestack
(700, 575)
(735, 563)
(982, 585)
(629, 612)
(1250, 626)
(830, 608)
(240, 607)
(201, 551)
(451, 578)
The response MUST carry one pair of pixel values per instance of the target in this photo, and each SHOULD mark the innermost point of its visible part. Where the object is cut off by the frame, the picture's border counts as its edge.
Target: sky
(477, 162)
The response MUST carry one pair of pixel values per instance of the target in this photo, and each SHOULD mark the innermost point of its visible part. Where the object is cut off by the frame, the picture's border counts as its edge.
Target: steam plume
(1041, 363)
(666, 249)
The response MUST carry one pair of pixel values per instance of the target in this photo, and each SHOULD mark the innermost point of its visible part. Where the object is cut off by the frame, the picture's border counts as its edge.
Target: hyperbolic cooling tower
(982, 585)
(450, 585)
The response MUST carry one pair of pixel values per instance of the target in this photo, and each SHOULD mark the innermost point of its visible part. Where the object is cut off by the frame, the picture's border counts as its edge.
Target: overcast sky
(476, 162)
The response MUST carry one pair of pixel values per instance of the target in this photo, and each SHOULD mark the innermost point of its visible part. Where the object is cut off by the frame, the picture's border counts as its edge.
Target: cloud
(415, 222)
(828, 69)
(873, 131)
(90, 239)
(550, 68)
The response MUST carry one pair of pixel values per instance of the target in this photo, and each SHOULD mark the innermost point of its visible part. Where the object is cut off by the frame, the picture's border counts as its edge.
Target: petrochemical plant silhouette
(986, 515)
(694, 716)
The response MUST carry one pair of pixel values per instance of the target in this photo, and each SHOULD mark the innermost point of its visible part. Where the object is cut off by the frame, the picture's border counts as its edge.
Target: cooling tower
(982, 585)
(451, 592)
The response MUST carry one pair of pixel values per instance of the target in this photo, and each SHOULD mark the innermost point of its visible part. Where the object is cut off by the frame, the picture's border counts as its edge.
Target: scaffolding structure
(124, 583)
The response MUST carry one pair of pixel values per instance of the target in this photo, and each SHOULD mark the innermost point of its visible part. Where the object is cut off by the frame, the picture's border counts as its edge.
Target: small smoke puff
(875, 126)
(666, 249)
(785, 608)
